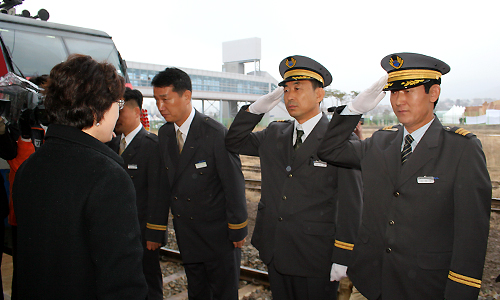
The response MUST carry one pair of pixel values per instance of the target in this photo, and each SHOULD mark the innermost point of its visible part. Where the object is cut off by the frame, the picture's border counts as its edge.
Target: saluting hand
(267, 102)
(369, 98)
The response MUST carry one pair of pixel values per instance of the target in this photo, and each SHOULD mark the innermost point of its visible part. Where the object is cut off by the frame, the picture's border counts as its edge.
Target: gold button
(290, 175)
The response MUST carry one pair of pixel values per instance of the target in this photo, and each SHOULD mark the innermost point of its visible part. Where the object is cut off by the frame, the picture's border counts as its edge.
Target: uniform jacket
(309, 211)
(207, 196)
(78, 234)
(142, 163)
(417, 240)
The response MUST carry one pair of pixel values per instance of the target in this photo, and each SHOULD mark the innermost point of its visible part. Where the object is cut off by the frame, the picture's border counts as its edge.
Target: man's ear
(137, 111)
(187, 95)
(320, 94)
(435, 91)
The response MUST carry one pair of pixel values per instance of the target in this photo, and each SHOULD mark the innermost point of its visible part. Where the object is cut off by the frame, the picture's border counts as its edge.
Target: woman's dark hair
(80, 90)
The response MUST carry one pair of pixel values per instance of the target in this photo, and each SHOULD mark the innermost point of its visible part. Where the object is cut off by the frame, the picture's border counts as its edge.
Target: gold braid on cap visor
(299, 74)
(413, 74)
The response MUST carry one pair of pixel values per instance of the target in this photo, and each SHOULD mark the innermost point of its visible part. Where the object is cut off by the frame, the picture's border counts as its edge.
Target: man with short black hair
(207, 190)
(140, 152)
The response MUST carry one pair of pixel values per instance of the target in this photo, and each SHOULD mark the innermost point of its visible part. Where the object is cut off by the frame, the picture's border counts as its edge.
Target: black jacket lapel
(285, 139)
(392, 157)
(132, 149)
(168, 146)
(191, 143)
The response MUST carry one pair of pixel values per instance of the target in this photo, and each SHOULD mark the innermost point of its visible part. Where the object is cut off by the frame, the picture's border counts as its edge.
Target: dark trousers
(286, 287)
(215, 280)
(14, 263)
(2, 238)
(152, 272)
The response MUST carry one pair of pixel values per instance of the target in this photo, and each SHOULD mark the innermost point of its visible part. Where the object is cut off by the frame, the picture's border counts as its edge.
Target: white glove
(338, 272)
(266, 102)
(369, 98)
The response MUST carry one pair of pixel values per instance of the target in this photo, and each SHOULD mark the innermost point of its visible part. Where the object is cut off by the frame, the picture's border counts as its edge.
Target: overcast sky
(348, 37)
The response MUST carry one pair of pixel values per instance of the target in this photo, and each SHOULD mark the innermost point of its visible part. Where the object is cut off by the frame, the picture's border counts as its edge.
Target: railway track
(251, 280)
(253, 184)
(495, 204)
(254, 168)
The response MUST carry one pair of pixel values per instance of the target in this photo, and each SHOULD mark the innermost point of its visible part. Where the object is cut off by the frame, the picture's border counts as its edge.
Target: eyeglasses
(121, 103)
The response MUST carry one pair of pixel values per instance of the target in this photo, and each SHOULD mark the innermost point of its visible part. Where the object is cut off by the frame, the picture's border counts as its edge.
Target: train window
(99, 51)
(33, 53)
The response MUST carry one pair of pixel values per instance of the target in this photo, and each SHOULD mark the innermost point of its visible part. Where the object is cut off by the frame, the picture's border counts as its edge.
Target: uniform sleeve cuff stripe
(237, 226)
(156, 227)
(343, 245)
(464, 280)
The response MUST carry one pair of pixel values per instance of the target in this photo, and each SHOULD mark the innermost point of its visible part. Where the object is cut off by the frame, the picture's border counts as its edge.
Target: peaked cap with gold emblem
(408, 70)
(299, 67)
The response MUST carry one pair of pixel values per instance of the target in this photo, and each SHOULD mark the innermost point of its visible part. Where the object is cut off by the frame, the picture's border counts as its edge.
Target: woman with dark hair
(78, 233)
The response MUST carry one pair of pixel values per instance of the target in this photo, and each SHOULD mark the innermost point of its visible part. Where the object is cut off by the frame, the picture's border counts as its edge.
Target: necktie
(180, 140)
(298, 141)
(406, 148)
(123, 145)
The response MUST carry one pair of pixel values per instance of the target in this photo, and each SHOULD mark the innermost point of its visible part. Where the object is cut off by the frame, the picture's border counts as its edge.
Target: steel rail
(248, 274)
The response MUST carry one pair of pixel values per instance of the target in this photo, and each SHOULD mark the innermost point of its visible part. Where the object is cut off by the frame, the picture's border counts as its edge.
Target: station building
(217, 94)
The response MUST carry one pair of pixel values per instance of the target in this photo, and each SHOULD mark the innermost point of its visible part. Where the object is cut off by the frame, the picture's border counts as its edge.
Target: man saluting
(427, 192)
(309, 212)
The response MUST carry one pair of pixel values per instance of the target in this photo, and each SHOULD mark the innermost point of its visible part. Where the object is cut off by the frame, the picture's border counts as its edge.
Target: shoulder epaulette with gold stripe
(343, 245)
(282, 121)
(460, 131)
(237, 226)
(156, 227)
(390, 128)
(473, 282)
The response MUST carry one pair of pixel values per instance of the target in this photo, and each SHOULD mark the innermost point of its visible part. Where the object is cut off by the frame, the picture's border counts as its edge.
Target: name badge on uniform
(132, 167)
(201, 164)
(425, 179)
(320, 163)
